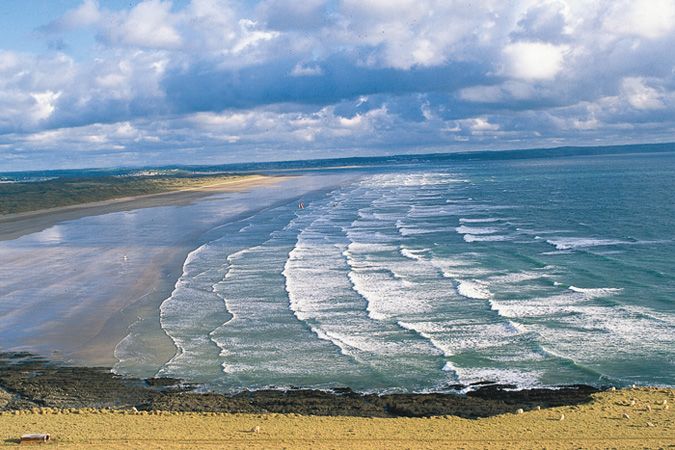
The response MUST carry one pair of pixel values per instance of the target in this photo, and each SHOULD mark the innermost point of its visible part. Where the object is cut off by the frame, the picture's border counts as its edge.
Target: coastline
(30, 381)
(111, 318)
(13, 226)
(88, 408)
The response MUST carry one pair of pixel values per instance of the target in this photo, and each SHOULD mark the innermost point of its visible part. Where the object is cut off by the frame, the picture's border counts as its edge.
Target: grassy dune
(25, 197)
(632, 418)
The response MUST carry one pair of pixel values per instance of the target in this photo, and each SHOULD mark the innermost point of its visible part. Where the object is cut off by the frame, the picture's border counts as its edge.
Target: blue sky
(114, 83)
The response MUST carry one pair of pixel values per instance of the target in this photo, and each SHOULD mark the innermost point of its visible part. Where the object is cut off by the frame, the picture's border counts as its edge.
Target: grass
(625, 419)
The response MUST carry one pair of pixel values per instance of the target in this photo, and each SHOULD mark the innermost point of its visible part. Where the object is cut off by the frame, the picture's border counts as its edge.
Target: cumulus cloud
(651, 19)
(148, 24)
(216, 80)
(533, 60)
(640, 95)
(86, 14)
(546, 21)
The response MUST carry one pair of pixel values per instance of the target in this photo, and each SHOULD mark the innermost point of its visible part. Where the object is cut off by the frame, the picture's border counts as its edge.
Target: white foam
(517, 377)
(572, 243)
(413, 231)
(426, 335)
(463, 229)
(473, 289)
(414, 254)
(517, 277)
(193, 255)
(369, 247)
(596, 292)
(489, 238)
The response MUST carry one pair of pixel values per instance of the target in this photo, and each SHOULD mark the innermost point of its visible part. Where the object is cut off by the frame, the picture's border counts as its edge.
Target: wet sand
(13, 226)
(108, 319)
(601, 423)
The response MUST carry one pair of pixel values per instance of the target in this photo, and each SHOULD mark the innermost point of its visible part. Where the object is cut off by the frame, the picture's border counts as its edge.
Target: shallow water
(411, 278)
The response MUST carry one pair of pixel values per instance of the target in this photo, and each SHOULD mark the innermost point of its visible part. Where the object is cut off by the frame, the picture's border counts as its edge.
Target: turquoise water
(412, 276)
(530, 272)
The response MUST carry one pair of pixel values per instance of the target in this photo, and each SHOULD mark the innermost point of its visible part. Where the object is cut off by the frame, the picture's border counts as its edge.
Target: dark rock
(31, 381)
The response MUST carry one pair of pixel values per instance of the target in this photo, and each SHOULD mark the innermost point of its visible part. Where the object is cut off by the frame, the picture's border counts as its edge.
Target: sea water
(424, 275)
(532, 273)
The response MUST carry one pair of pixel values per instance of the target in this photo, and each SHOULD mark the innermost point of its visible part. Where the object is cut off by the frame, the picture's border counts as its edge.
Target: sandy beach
(15, 225)
(631, 418)
(104, 320)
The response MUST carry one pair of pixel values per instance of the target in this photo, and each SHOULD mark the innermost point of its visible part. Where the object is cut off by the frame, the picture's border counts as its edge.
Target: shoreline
(37, 396)
(13, 226)
(105, 319)
(31, 381)
(152, 285)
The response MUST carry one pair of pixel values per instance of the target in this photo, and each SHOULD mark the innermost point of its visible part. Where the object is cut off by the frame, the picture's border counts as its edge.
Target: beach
(599, 424)
(412, 308)
(16, 225)
(88, 327)
(407, 279)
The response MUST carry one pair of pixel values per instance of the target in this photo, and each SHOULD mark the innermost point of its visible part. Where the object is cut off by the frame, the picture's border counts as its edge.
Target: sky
(127, 83)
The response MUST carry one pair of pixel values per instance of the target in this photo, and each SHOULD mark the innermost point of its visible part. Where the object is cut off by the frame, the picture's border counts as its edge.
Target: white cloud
(479, 125)
(148, 24)
(533, 61)
(650, 19)
(547, 20)
(424, 33)
(86, 14)
(641, 96)
(44, 104)
(209, 73)
(251, 35)
(309, 70)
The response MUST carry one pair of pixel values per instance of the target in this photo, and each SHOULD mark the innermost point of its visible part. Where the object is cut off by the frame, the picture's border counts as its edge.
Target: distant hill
(280, 166)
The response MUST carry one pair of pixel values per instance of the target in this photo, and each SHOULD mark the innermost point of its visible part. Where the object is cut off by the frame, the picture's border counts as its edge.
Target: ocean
(413, 276)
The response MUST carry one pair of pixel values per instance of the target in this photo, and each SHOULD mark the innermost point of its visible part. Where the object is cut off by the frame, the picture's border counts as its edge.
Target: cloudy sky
(112, 83)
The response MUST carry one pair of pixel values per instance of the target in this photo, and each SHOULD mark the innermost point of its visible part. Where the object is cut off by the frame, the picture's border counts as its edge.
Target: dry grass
(600, 424)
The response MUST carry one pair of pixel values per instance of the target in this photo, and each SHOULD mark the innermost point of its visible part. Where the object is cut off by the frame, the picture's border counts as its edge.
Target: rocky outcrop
(31, 382)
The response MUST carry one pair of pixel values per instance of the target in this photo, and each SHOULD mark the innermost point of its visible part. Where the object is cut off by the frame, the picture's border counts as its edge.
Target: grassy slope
(599, 424)
(24, 197)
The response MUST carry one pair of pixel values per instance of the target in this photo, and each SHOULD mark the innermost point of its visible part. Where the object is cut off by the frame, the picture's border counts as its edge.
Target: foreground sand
(600, 424)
